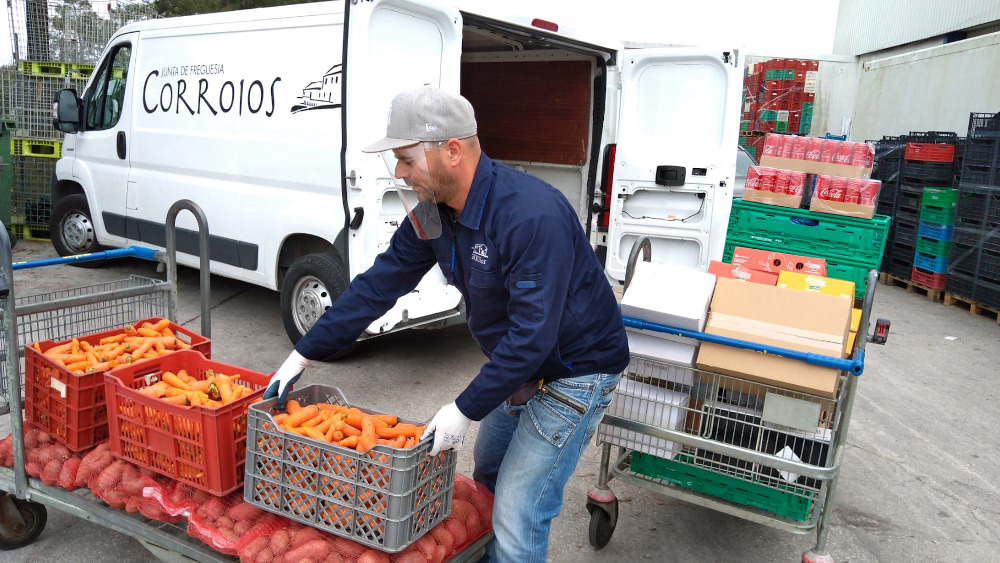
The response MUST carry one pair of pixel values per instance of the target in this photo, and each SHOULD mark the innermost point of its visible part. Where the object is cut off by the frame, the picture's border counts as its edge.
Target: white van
(259, 116)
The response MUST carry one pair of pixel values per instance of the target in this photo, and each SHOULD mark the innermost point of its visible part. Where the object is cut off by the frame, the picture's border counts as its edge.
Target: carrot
(142, 349)
(333, 408)
(293, 406)
(314, 421)
(103, 366)
(313, 433)
(406, 430)
(78, 366)
(175, 381)
(327, 422)
(200, 385)
(280, 418)
(225, 389)
(159, 325)
(297, 418)
(349, 442)
(72, 358)
(389, 419)
(148, 332)
(157, 389)
(410, 442)
(130, 330)
(367, 440)
(349, 430)
(58, 349)
(112, 339)
(354, 417)
(178, 400)
(75, 346)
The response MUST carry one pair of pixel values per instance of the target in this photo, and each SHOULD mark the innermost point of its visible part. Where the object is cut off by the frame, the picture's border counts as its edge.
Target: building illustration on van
(321, 94)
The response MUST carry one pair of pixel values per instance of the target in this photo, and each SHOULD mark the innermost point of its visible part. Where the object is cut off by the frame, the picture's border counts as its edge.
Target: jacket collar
(475, 203)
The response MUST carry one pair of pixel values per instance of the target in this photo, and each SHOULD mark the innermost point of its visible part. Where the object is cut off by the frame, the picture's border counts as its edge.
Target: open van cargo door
(392, 45)
(678, 128)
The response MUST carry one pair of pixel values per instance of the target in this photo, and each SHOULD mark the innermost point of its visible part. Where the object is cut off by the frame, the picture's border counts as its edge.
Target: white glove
(282, 380)
(449, 426)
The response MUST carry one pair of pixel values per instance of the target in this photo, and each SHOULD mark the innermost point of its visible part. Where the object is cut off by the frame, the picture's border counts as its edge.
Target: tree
(168, 8)
(37, 30)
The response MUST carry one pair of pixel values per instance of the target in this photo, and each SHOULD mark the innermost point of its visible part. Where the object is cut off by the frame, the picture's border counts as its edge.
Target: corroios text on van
(202, 95)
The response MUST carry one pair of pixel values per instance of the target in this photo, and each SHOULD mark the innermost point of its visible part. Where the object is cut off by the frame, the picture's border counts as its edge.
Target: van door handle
(121, 145)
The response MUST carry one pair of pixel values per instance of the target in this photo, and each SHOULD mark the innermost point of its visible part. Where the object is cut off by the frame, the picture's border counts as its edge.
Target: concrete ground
(919, 480)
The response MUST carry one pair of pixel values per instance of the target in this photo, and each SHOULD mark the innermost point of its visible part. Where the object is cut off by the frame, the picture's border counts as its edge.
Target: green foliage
(168, 8)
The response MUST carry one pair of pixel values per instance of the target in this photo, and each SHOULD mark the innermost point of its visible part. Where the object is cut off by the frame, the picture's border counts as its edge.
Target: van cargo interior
(535, 100)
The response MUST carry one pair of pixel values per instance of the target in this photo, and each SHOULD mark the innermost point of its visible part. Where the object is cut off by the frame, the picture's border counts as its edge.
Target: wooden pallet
(974, 308)
(911, 286)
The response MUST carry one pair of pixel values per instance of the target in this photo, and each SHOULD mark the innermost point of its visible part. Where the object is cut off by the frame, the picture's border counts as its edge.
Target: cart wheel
(602, 523)
(813, 557)
(13, 533)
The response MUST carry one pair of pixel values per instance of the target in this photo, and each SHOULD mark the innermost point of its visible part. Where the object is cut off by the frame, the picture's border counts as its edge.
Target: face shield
(411, 178)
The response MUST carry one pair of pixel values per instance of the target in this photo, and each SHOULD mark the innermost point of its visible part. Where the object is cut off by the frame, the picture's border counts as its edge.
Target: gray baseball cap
(426, 114)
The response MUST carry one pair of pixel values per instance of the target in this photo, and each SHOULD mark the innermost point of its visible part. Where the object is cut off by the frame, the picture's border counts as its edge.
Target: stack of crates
(51, 53)
(937, 219)
(906, 165)
(974, 269)
(778, 96)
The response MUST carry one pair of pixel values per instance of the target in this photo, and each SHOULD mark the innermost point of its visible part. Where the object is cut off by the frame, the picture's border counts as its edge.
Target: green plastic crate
(938, 248)
(808, 233)
(781, 126)
(938, 215)
(744, 125)
(790, 502)
(767, 115)
(836, 268)
(943, 198)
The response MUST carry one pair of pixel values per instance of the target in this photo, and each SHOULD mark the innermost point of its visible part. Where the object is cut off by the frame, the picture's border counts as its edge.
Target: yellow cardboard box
(818, 284)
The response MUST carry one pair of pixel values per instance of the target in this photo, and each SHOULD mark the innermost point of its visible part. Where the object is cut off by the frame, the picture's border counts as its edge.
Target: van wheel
(311, 286)
(72, 230)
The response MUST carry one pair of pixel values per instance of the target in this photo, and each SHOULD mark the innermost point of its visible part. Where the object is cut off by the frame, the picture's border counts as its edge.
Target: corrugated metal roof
(865, 26)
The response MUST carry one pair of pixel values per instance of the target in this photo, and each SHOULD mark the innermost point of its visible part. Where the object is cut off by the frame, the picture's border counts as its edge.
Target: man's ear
(453, 151)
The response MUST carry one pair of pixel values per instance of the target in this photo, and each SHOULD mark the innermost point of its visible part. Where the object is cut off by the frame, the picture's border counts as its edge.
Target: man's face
(412, 169)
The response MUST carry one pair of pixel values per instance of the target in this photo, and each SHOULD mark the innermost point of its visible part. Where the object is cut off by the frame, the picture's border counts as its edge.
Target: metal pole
(13, 374)
(206, 275)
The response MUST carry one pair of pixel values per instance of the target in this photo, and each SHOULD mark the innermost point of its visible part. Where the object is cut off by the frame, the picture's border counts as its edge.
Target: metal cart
(755, 451)
(66, 314)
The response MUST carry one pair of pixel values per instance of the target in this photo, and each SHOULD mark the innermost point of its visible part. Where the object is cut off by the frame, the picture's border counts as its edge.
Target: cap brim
(388, 143)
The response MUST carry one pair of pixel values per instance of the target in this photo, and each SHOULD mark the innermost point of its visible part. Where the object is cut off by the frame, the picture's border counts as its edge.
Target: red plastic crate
(203, 447)
(929, 279)
(71, 406)
(929, 152)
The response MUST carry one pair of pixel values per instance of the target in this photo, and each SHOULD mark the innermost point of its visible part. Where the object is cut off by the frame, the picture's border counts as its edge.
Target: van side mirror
(66, 111)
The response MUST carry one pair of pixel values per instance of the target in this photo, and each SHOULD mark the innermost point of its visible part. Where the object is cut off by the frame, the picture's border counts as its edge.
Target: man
(537, 303)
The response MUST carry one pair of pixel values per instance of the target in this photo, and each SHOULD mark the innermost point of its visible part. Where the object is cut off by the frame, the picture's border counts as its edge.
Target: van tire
(310, 287)
(72, 230)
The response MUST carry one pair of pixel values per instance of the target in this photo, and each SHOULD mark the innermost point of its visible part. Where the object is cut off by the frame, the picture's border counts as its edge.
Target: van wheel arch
(71, 229)
(309, 287)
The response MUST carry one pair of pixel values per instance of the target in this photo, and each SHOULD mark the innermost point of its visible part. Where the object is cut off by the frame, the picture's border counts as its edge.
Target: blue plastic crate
(936, 264)
(935, 231)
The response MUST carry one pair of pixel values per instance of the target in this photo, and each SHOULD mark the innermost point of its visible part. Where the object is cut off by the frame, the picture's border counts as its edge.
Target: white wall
(932, 89)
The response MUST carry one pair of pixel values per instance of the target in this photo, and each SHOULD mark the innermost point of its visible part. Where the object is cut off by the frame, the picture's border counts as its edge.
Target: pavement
(919, 480)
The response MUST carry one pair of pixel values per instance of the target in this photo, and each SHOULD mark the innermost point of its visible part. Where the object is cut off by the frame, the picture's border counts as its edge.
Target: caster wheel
(602, 523)
(14, 534)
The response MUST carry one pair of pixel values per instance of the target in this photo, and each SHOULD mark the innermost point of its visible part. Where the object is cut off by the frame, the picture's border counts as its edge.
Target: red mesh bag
(221, 522)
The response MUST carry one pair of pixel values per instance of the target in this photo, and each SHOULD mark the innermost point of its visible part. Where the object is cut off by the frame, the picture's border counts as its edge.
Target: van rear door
(392, 45)
(674, 170)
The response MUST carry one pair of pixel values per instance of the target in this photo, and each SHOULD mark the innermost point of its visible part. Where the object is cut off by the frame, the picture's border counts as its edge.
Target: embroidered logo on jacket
(479, 253)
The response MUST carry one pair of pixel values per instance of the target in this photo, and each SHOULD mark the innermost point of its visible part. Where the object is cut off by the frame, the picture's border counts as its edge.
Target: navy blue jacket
(537, 300)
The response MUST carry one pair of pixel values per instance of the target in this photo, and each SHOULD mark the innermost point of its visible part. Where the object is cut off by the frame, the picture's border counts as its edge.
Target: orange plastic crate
(203, 447)
(71, 406)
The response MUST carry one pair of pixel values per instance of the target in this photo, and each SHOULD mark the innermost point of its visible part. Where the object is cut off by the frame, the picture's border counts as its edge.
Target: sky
(772, 27)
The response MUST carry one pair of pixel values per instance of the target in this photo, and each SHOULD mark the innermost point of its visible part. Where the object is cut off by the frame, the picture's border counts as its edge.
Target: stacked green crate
(850, 246)
(805, 124)
(937, 220)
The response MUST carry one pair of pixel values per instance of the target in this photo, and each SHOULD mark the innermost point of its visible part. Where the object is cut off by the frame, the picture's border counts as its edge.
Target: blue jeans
(526, 454)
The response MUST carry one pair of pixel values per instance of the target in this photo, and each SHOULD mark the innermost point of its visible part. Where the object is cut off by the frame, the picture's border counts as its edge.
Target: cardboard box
(776, 262)
(771, 198)
(662, 346)
(635, 400)
(739, 272)
(819, 284)
(668, 295)
(855, 319)
(813, 167)
(842, 208)
(773, 316)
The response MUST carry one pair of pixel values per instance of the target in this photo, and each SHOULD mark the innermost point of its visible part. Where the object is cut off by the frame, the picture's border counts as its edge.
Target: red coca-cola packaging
(827, 149)
(781, 182)
(787, 145)
(772, 145)
(863, 155)
(821, 187)
(799, 145)
(869, 192)
(753, 178)
(838, 185)
(796, 183)
(814, 149)
(843, 152)
(767, 178)
(852, 190)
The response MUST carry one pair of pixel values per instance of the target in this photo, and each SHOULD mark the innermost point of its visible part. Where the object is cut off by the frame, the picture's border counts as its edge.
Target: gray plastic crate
(386, 498)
